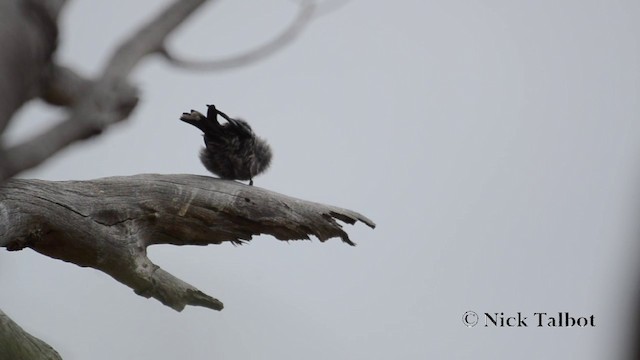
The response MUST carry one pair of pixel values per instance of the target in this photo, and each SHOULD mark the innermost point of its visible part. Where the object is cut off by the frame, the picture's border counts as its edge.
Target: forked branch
(93, 104)
(108, 223)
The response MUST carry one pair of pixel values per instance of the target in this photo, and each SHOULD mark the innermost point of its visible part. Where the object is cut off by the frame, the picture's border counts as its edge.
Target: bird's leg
(225, 116)
(250, 182)
(231, 120)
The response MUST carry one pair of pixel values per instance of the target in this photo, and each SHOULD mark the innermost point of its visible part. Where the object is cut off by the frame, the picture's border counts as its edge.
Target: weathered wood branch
(149, 38)
(108, 223)
(16, 344)
(95, 223)
(94, 104)
(305, 15)
(29, 37)
(307, 11)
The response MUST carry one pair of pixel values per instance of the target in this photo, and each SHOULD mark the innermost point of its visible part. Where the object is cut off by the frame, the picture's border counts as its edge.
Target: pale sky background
(495, 143)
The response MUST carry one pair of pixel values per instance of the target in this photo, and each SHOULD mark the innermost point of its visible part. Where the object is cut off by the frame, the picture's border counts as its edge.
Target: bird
(232, 150)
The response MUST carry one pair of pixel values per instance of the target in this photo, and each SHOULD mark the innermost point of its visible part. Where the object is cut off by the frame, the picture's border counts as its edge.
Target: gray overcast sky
(495, 143)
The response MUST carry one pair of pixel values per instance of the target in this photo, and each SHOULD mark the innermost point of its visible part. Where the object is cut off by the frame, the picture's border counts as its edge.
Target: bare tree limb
(305, 14)
(149, 38)
(308, 10)
(17, 344)
(99, 103)
(329, 6)
(28, 34)
(95, 105)
(63, 86)
(104, 104)
(95, 224)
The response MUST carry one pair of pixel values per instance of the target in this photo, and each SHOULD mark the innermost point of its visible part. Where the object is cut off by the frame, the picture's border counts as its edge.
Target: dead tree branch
(308, 10)
(305, 14)
(15, 343)
(94, 104)
(29, 37)
(95, 224)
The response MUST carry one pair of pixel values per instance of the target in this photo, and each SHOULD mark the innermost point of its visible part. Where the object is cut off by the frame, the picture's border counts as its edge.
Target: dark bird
(232, 151)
